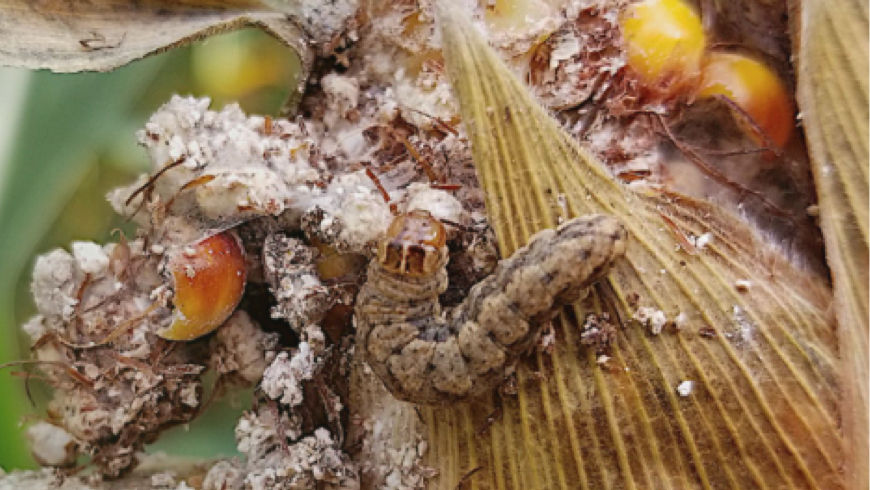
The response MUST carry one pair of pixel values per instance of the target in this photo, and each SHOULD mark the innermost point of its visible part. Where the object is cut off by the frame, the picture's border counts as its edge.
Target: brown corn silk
(764, 412)
(831, 45)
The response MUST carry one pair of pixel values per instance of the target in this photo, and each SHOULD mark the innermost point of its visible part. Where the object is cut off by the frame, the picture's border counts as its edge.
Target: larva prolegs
(424, 356)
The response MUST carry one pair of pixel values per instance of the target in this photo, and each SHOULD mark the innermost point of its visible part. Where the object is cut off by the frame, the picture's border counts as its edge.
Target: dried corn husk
(831, 45)
(764, 409)
(99, 36)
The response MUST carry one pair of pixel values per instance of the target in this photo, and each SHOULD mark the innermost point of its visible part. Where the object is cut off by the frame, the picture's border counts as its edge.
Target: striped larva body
(425, 355)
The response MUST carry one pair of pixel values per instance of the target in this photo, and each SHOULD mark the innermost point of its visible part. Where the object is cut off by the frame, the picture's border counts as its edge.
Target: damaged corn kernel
(209, 281)
(763, 107)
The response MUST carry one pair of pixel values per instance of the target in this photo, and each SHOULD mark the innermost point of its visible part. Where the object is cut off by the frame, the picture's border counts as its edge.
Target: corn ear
(764, 409)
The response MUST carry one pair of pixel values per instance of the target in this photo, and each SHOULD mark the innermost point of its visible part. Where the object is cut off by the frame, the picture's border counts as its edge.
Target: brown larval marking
(426, 355)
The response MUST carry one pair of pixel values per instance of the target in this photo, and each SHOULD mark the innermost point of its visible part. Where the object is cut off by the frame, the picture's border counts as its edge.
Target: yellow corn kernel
(764, 106)
(664, 43)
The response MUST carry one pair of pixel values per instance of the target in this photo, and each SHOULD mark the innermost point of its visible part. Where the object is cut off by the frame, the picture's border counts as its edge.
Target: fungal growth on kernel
(429, 356)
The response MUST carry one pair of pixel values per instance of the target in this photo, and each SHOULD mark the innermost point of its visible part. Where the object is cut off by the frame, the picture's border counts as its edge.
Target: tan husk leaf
(831, 45)
(764, 409)
(99, 36)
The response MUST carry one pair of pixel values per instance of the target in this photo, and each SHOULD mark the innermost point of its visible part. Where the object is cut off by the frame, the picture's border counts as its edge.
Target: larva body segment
(426, 356)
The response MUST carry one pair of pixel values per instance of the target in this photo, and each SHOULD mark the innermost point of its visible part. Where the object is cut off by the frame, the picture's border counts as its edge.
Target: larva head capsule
(414, 244)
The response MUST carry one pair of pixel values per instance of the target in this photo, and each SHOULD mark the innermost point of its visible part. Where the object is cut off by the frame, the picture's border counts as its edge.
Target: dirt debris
(116, 386)
(51, 445)
(291, 272)
(282, 380)
(652, 318)
(598, 332)
(277, 457)
(241, 349)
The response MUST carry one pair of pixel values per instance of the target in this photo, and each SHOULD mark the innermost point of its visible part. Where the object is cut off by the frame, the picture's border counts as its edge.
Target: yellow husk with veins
(764, 411)
(831, 41)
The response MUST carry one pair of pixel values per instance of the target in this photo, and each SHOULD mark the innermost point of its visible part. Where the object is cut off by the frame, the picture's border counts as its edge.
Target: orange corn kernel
(764, 107)
(209, 281)
(664, 43)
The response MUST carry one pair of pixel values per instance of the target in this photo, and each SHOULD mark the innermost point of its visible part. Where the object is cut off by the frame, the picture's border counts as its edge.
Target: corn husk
(70, 37)
(831, 45)
(763, 412)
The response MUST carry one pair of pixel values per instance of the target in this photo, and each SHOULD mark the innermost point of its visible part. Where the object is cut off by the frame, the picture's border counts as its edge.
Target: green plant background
(66, 140)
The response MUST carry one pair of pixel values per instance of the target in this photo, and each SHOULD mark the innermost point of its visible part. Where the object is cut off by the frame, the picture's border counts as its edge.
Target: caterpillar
(428, 356)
